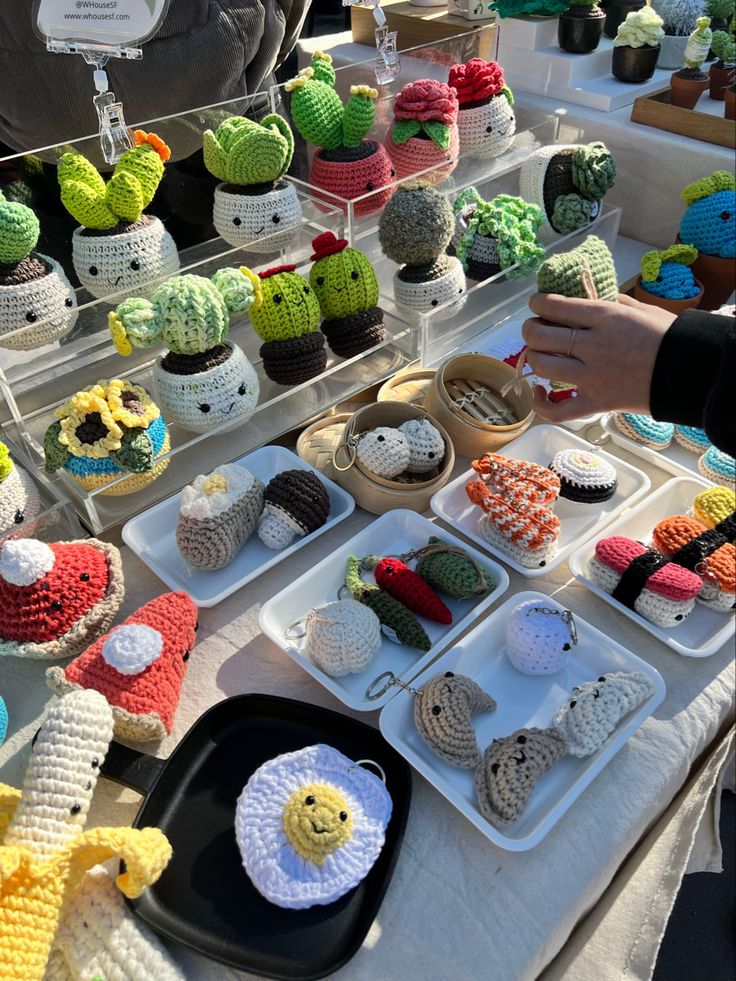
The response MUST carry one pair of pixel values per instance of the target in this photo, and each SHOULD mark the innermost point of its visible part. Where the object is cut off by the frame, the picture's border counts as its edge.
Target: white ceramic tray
(577, 521)
(393, 533)
(705, 631)
(152, 535)
(523, 701)
(675, 459)
(505, 339)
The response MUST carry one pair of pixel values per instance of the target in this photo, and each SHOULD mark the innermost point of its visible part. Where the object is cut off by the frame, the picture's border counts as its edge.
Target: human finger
(564, 411)
(629, 301)
(555, 367)
(568, 311)
(551, 338)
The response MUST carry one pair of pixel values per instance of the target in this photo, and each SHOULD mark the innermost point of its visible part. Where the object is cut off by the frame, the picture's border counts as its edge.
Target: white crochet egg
(342, 637)
(310, 825)
(384, 451)
(426, 445)
(538, 639)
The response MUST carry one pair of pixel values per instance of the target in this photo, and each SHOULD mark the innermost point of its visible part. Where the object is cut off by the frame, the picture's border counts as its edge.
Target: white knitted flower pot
(487, 131)
(250, 220)
(423, 297)
(226, 393)
(39, 311)
(531, 187)
(107, 264)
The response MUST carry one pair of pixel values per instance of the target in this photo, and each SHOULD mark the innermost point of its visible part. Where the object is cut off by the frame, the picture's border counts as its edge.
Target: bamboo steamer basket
(463, 395)
(371, 492)
(409, 385)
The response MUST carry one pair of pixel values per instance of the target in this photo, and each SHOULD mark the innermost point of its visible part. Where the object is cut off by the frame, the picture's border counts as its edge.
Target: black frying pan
(204, 898)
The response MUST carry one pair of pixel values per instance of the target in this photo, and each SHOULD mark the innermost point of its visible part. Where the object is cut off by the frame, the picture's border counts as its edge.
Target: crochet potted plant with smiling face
(254, 207)
(709, 224)
(118, 247)
(204, 381)
(37, 302)
(424, 132)
(485, 121)
(667, 280)
(345, 164)
(495, 235)
(687, 85)
(580, 27)
(636, 45)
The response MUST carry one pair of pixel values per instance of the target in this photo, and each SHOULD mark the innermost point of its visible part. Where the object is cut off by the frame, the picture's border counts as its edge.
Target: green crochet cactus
(245, 152)
(19, 231)
(511, 222)
(129, 191)
(723, 46)
(6, 464)
(392, 614)
(187, 314)
(285, 306)
(342, 278)
(318, 112)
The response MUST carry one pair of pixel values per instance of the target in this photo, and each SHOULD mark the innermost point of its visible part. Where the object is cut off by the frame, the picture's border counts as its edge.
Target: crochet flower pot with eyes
(498, 234)
(486, 122)
(667, 280)
(19, 498)
(138, 666)
(37, 302)
(118, 247)
(104, 432)
(56, 599)
(568, 182)
(709, 224)
(346, 287)
(345, 163)
(204, 381)
(285, 316)
(254, 207)
(414, 230)
(424, 132)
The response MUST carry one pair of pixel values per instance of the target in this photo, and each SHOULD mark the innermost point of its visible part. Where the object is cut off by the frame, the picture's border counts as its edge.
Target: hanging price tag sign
(117, 23)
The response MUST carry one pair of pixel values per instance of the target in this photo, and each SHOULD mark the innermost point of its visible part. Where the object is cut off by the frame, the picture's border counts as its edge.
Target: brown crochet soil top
(252, 190)
(120, 228)
(349, 154)
(193, 364)
(558, 180)
(301, 494)
(25, 271)
(426, 272)
(477, 103)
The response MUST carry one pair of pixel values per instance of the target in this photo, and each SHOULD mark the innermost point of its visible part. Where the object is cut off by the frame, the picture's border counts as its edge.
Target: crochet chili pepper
(397, 579)
(392, 614)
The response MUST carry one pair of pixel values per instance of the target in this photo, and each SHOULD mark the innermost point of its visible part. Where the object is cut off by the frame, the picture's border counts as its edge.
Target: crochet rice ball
(310, 826)
(645, 430)
(342, 637)
(426, 445)
(443, 712)
(595, 708)
(718, 467)
(539, 639)
(384, 451)
(585, 477)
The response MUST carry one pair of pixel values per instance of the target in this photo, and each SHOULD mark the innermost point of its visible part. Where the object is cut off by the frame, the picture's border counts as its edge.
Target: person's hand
(609, 359)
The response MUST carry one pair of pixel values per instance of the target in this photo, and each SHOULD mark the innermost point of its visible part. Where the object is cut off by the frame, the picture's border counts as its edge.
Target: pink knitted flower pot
(350, 179)
(418, 153)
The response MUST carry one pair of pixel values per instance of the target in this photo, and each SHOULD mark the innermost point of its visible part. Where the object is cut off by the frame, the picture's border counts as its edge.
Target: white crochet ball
(310, 825)
(384, 451)
(132, 647)
(342, 637)
(537, 642)
(426, 445)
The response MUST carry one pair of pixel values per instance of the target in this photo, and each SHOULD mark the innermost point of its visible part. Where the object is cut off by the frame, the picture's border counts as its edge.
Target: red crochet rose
(476, 80)
(427, 100)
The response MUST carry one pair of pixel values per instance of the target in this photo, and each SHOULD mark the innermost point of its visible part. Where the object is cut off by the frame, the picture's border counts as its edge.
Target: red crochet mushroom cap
(138, 666)
(671, 581)
(427, 100)
(476, 80)
(326, 244)
(275, 270)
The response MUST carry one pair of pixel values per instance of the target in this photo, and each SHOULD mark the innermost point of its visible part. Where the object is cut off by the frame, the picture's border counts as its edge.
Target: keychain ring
(388, 678)
(351, 449)
(378, 766)
(296, 630)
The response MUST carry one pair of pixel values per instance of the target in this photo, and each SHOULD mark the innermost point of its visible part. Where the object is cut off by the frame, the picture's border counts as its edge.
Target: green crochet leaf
(54, 453)
(215, 157)
(19, 231)
(404, 129)
(136, 452)
(439, 132)
(124, 196)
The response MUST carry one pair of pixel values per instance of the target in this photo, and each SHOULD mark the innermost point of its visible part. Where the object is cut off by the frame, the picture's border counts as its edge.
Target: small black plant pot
(634, 64)
(616, 11)
(580, 34)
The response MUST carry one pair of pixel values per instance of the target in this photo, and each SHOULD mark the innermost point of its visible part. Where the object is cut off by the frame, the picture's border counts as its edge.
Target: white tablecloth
(458, 907)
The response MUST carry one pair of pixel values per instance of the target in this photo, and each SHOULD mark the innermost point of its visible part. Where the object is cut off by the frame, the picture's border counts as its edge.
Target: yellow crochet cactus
(45, 852)
(6, 464)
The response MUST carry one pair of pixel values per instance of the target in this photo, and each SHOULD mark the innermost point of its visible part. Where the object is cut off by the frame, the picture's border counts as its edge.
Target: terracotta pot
(616, 11)
(673, 306)
(685, 92)
(351, 179)
(580, 34)
(718, 276)
(720, 79)
(730, 100)
(634, 64)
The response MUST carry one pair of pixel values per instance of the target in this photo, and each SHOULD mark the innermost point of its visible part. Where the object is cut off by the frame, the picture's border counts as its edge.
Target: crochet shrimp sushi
(528, 535)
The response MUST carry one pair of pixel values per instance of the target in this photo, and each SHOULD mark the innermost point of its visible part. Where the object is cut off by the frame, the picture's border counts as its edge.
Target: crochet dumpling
(442, 714)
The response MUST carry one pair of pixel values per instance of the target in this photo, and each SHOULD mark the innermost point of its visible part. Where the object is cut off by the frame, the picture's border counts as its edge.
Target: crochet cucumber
(392, 614)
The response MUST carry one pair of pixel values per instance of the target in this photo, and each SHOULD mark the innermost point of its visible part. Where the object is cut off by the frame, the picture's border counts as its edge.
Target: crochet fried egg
(310, 825)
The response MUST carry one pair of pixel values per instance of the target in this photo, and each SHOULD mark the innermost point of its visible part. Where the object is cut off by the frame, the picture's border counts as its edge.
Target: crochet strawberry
(138, 666)
(399, 581)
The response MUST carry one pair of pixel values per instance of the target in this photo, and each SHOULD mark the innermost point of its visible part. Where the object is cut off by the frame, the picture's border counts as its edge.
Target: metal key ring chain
(381, 771)
(388, 680)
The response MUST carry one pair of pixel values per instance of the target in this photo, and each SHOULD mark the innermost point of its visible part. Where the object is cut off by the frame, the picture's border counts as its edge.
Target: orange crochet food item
(518, 481)
(531, 528)
(705, 551)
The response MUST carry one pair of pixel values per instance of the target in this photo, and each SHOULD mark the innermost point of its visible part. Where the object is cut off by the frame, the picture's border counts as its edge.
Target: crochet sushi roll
(692, 438)
(714, 505)
(295, 503)
(648, 583)
(19, 498)
(718, 467)
(645, 430)
(585, 478)
(707, 552)
(528, 534)
(217, 515)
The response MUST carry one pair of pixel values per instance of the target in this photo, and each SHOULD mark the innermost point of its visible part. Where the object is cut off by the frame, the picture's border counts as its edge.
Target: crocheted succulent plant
(126, 195)
(723, 46)
(425, 107)
(668, 274)
(710, 220)
(642, 28)
(342, 278)
(318, 111)
(19, 231)
(245, 152)
(537, 8)
(510, 222)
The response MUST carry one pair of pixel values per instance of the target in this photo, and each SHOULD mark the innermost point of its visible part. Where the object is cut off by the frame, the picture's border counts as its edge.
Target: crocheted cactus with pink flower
(425, 107)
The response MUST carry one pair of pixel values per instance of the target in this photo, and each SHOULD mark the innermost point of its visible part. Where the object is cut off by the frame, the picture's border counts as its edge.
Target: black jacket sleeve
(694, 379)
